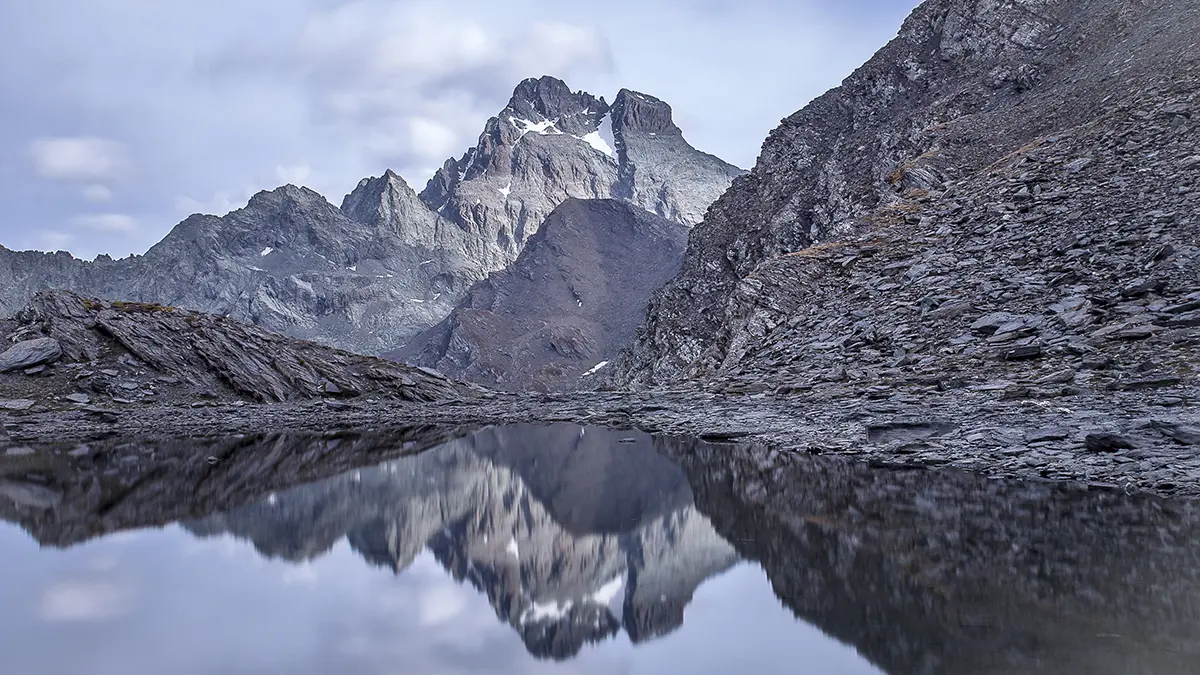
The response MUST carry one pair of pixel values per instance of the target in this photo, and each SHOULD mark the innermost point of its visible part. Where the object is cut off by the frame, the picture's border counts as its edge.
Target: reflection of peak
(566, 531)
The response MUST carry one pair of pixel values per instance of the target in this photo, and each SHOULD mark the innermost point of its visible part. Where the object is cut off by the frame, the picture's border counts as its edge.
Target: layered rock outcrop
(124, 352)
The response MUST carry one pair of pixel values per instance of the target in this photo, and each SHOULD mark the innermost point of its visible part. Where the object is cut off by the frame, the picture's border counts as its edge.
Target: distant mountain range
(390, 262)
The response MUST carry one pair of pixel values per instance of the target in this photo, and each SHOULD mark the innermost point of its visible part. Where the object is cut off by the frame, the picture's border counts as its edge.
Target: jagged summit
(550, 144)
(549, 98)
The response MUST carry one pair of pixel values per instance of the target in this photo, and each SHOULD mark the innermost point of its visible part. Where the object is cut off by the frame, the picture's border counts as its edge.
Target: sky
(122, 117)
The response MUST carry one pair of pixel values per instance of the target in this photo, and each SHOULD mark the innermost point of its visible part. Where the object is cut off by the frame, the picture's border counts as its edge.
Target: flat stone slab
(17, 404)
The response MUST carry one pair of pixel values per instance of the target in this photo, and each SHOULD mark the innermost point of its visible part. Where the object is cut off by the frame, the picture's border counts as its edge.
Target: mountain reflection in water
(571, 537)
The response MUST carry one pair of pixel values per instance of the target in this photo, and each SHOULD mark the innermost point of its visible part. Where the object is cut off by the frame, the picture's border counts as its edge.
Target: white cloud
(78, 158)
(295, 174)
(97, 193)
(49, 240)
(440, 603)
(84, 601)
(431, 139)
(106, 222)
(218, 204)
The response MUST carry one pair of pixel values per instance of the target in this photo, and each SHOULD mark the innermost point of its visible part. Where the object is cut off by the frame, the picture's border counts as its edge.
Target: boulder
(30, 353)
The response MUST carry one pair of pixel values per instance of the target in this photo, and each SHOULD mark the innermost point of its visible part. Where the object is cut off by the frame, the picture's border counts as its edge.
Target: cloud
(431, 139)
(296, 173)
(106, 222)
(49, 240)
(78, 158)
(97, 193)
(406, 84)
(84, 601)
(441, 603)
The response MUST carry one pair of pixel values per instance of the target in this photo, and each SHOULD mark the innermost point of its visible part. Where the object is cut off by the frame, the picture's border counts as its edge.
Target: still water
(561, 549)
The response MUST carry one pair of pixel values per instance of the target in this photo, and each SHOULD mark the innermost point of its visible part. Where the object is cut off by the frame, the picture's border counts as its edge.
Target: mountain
(569, 303)
(550, 144)
(290, 262)
(1006, 190)
(572, 534)
(390, 263)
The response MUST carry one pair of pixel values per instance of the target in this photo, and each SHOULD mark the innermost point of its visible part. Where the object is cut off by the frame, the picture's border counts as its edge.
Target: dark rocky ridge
(965, 83)
(1054, 272)
(391, 263)
(571, 301)
(131, 353)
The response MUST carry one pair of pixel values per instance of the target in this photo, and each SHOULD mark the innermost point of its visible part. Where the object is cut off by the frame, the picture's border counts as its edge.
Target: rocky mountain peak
(543, 99)
(284, 197)
(636, 112)
(550, 144)
(390, 262)
(393, 208)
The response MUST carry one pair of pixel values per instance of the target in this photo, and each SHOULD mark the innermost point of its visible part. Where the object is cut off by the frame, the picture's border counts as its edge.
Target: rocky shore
(1122, 440)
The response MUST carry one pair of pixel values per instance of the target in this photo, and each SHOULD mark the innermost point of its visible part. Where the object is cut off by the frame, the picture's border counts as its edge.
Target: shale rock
(165, 351)
(29, 353)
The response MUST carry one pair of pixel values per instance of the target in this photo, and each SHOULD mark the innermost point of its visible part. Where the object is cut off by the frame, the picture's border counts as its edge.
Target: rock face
(570, 302)
(289, 262)
(136, 352)
(971, 129)
(389, 263)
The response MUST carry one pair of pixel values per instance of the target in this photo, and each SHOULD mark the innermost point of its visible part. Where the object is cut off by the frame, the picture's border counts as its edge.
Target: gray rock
(80, 398)
(1022, 353)
(17, 404)
(1107, 442)
(30, 353)
(1049, 434)
(892, 162)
